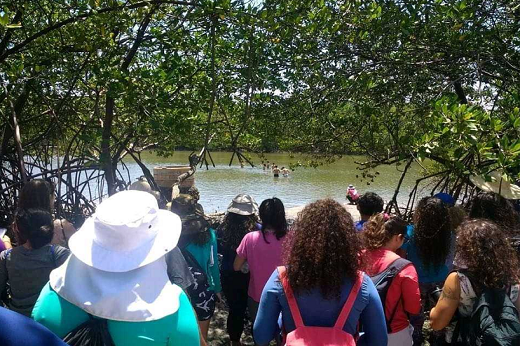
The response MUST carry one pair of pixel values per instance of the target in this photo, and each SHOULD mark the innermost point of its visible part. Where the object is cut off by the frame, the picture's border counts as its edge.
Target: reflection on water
(219, 185)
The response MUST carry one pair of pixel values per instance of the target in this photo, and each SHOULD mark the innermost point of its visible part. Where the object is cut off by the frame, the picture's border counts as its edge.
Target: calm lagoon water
(219, 185)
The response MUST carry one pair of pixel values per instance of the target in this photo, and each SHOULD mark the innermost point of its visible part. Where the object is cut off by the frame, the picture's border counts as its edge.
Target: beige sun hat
(117, 269)
(243, 205)
(498, 184)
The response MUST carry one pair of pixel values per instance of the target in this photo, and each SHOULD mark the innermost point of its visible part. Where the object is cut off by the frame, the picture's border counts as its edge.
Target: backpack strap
(291, 300)
(345, 311)
(396, 267)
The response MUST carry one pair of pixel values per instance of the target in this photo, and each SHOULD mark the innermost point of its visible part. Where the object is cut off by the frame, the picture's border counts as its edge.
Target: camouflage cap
(190, 212)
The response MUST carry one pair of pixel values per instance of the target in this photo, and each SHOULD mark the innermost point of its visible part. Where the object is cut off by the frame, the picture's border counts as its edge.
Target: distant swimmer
(285, 172)
(276, 171)
(265, 166)
(268, 165)
(352, 194)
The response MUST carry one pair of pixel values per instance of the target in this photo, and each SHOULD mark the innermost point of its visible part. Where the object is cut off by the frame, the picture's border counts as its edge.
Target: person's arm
(239, 262)
(373, 318)
(442, 313)
(241, 256)
(214, 268)
(7, 242)
(178, 271)
(68, 229)
(266, 323)
(410, 290)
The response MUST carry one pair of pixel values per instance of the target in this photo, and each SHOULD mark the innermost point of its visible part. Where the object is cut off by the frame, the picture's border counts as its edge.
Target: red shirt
(403, 290)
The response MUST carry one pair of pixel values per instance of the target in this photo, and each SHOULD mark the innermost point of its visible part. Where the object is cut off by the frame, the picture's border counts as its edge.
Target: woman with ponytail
(27, 267)
(382, 237)
(262, 250)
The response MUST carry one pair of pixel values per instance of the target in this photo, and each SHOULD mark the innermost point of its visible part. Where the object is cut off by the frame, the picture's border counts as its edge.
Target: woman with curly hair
(323, 267)
(493, 207)
(239, 221)
(382, 238)
(482, 247)
(431, 250)
(262, 250)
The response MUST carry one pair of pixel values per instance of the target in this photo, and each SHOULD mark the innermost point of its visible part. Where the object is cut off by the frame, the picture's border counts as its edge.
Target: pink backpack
(319, 336)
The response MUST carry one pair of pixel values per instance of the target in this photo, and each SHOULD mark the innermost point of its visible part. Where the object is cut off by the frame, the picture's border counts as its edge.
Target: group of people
(275, 170)
(140, 273)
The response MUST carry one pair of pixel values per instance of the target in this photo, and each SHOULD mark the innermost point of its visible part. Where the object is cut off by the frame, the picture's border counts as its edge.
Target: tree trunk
(106, 157)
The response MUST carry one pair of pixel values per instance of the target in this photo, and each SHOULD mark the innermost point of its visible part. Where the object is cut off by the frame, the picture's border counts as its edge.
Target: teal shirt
(207, 257)
(61, 317)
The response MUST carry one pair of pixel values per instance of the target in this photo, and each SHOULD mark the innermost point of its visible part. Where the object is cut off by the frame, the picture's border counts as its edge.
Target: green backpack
(493, 322)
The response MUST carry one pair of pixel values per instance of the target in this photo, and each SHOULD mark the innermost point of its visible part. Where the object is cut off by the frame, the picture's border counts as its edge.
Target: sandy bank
(291, 213)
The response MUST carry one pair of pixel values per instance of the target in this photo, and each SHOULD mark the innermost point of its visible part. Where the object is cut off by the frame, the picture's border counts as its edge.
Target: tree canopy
(92, 81)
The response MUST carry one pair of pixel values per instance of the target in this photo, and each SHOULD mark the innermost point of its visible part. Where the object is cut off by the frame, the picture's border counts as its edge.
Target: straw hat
(117, 269)
(243, 205)
(498, 185)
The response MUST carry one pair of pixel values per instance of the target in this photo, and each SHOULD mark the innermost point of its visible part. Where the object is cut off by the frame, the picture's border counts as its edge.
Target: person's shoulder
(24, 330)
(60, 250)
(409, 272)
(253, 235)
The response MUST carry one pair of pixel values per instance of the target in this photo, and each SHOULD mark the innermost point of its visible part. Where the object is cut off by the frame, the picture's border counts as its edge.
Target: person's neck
(365, 217)
(27, 245)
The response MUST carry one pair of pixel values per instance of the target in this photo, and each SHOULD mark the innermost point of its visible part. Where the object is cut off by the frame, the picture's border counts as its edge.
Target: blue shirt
(432, 274)
(318, 311)
(18, 330)
(359, 225)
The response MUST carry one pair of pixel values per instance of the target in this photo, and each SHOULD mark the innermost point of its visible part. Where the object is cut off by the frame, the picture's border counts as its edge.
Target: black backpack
(201, 281)
(383, 280)
(493, 322)
(93, 332)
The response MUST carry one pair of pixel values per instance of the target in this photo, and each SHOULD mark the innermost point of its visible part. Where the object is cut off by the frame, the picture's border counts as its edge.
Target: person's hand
(7, 242)
(219, 297)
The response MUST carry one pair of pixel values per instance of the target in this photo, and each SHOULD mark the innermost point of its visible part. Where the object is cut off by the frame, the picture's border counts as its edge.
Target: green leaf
(4, 19)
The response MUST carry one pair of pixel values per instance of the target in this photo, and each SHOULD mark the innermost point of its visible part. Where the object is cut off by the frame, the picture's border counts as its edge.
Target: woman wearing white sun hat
(117, 272)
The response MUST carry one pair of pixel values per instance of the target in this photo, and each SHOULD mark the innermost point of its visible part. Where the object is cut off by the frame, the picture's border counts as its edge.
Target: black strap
(394, 268)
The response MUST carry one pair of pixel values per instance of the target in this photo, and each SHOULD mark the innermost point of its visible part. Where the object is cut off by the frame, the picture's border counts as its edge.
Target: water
(219, 185)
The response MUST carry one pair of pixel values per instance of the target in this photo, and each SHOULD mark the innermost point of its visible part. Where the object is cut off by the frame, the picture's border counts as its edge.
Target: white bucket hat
(117, 269)
(126, 232)
(498, 185)
(243, 205)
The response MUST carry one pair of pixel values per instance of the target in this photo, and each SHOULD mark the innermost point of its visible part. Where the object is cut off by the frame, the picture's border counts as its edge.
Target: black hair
(433, 232)
(199, 238)
(272, 214)
(370, 204)
(492, 206)
(34, 225)
(37, 193)
(235, 227)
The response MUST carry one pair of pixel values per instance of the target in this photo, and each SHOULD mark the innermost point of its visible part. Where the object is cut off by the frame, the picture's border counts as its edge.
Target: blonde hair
(378, 230)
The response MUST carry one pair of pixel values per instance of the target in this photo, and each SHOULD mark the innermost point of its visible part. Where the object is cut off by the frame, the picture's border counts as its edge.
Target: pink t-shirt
(262, 259)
